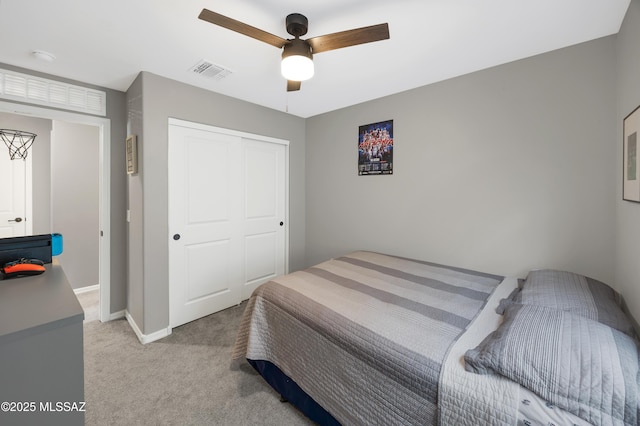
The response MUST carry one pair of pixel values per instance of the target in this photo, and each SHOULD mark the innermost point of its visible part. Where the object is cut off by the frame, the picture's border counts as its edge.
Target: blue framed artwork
(375, 148)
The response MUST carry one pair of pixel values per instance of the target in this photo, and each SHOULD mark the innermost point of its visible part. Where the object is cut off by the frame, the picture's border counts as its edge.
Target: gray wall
(40, 154)
(151, 101)
(75, 200)
(116, 113)
(135, 205)
(628, 213)
(502, 171)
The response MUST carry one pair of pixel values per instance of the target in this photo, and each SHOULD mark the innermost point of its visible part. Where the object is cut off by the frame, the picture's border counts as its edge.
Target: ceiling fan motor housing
(297, 24)
(297, 47)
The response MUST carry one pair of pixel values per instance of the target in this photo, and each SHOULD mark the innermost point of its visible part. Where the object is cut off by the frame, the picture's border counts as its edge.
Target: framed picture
(630, 169)
(132, 155)
(375, 148)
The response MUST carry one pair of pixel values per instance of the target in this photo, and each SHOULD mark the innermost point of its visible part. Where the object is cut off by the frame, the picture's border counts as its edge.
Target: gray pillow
(578, 364)
(573, 293)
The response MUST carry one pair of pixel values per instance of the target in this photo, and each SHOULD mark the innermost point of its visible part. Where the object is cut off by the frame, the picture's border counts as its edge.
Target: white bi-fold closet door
(228, 205)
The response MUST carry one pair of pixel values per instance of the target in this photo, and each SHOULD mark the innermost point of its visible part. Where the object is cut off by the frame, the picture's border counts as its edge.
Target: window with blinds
(42, 91)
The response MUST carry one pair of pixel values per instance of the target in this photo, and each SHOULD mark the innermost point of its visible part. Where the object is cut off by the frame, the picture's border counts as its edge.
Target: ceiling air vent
(210, 70)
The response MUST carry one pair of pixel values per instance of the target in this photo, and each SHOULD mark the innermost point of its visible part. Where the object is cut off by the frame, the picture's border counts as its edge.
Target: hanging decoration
(18, 142)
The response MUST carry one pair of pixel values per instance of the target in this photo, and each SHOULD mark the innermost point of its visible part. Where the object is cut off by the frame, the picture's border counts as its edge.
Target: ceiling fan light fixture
(297, 61)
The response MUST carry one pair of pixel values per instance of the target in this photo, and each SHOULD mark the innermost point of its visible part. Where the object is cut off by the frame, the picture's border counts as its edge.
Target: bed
(369, 338)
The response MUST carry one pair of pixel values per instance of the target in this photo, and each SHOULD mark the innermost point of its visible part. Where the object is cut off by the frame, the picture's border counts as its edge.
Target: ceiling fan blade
(349, 38)
(241, 27)
(292, 86)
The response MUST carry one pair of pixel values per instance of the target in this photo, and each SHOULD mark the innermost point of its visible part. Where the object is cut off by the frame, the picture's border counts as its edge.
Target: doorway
(15, 210)
(103, 130)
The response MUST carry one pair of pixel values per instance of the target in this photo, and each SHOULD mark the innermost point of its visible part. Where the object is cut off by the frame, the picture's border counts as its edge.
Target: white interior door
(227, 198)
(15, 196)
(205, 262)
(264, 213)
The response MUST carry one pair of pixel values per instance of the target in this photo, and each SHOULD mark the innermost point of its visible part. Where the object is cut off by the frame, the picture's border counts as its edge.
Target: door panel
(261, 168)
(207, 272)
(207, 180)
(264, 166)
(205, 262)
(261, 259)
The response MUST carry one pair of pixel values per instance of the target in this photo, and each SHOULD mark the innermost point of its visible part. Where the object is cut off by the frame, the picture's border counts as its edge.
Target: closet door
(264, 213)
(227, 200)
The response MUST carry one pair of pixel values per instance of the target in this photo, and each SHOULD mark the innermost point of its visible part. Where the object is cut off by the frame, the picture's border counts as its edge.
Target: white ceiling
(108, 42)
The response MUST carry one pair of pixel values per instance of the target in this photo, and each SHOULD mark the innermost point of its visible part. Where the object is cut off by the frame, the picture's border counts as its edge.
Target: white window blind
(42, 91)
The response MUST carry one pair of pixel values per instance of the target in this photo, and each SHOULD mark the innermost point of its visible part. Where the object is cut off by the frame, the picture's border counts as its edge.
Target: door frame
(104, 131)
(28, 187)
(268, 139)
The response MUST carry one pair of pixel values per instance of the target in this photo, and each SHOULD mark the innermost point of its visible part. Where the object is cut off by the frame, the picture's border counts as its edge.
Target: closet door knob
(17, 219)
(176, 237)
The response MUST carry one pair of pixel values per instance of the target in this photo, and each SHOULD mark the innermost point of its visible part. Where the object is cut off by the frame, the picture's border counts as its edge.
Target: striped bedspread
(366, 334)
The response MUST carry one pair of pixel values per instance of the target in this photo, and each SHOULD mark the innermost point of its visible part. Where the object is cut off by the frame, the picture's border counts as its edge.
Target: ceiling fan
(297, 54)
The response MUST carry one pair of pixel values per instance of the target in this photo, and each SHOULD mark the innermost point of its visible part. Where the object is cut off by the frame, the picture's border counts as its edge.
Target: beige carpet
(89, 301)
(183, 379)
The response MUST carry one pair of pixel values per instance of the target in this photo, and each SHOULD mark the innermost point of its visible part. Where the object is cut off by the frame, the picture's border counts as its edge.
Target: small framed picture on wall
(630, 169)
(375, 148)
(132, 155)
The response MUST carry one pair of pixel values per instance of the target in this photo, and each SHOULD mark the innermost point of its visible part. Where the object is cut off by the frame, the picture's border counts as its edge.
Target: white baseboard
(146, 338)
(117, 315)
(86, 289)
